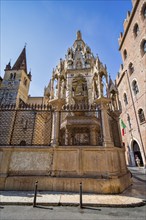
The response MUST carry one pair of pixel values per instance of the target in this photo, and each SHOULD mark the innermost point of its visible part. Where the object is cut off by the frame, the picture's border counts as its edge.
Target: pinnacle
(21, 61)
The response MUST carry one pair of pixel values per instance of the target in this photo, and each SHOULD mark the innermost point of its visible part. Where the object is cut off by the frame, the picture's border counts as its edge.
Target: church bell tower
(15, 84)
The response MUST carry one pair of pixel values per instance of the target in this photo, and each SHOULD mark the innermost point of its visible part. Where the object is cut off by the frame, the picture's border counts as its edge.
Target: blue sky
(49, 28)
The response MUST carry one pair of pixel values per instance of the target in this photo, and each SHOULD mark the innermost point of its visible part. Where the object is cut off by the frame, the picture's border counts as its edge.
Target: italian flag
(123, 127)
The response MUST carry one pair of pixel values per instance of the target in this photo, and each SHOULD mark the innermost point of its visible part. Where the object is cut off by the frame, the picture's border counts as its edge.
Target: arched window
(14, 76)
(129, 120)
(125, 99)
(11, 75)
(131, 68)
(25, 81)
(135, 87)
(143, 11)
(136, 30)
(141, 115)
(143, 47)
(125, 54)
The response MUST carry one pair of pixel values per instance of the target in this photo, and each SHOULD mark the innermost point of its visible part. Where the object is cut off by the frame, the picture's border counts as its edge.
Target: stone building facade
(131, 82)
(15, 84)
(70, 135)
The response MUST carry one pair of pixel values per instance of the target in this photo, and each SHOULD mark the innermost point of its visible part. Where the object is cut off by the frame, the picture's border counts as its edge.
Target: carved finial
(79, 35)
(8, 66)
(25, 45)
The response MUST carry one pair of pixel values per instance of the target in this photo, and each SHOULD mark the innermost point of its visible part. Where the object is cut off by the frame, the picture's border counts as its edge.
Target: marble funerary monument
(72, 137)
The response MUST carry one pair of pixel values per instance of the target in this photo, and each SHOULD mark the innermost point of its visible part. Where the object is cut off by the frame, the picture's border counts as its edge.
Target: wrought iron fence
(25, 125)
(80, 125)
(31, 125)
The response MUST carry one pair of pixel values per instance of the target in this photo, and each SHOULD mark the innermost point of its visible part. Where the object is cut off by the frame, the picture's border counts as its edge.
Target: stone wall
(100, 169)
(30, 162)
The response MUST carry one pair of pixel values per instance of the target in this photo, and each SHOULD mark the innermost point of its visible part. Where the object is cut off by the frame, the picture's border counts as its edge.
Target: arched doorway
(136, 151)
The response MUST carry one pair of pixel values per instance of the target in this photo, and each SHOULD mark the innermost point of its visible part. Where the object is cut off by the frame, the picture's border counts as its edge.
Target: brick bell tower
(15, 84)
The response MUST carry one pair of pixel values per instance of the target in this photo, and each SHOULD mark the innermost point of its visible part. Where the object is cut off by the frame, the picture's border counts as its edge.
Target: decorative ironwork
(31, 125)
(80, 124)
(26, 125)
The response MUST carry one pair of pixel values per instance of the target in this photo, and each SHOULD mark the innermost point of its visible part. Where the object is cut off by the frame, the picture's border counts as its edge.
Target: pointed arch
(135, 146)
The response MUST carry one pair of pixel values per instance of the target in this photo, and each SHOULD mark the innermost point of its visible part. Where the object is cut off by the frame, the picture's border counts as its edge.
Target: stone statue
(79, 35)
(79, 89)
(62, 88)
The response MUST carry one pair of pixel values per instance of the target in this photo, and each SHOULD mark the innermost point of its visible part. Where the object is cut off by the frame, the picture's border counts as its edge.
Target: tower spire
(21, 61)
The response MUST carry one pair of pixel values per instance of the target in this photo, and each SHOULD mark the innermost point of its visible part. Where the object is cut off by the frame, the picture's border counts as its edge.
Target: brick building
(131, 82)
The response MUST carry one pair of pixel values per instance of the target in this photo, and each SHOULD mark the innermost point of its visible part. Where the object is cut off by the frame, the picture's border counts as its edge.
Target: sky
(48, 28)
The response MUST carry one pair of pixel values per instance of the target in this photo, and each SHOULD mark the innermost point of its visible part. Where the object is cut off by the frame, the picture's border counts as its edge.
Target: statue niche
(79, 90)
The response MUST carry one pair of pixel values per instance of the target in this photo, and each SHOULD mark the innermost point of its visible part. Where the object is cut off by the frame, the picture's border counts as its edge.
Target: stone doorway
(136, 151)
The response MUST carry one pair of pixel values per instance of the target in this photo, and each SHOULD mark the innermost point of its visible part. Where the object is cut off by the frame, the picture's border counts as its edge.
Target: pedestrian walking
(137, 160)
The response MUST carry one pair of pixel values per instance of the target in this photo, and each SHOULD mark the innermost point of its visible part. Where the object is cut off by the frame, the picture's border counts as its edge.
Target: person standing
(137, 160)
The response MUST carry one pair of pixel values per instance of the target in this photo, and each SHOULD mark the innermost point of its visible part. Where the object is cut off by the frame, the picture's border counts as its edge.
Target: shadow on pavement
(91, 208)
(43, 207)
(19, 194)
(1, 207)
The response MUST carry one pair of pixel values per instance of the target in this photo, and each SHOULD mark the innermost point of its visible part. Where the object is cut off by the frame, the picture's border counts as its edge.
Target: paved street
(69, 213)
(136, 191)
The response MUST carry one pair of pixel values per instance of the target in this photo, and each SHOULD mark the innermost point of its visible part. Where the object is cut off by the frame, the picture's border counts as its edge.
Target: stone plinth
(101, 170)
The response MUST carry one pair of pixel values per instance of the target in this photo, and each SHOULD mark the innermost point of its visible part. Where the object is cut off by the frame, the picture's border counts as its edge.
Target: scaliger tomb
(70, 135)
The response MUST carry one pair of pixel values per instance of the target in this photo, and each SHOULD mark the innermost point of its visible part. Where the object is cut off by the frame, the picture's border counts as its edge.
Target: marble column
(93, 138)
(66, 137)
(59, 87)
(106, 78)
(99, 86)
(93, 91)
(55, 129)
(52, 88)
(68, 90)
(107, 141)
